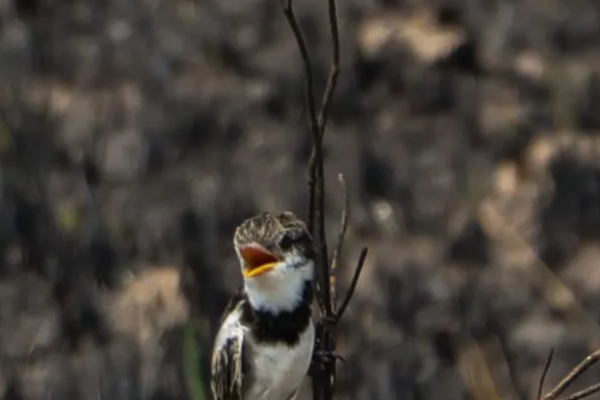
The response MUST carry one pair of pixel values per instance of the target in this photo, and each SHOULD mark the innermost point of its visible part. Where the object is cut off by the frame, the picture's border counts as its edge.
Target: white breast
(280, 369)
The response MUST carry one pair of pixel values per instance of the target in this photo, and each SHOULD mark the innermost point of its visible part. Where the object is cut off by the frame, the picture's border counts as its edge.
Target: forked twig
(571, 377)
(324, 382)
(316, 167)
(321, 123)
(288, 11)
(334, 69)
(315, 177)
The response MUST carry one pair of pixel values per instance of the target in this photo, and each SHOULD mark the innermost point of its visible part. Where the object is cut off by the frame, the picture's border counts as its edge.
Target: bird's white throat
(282, 288)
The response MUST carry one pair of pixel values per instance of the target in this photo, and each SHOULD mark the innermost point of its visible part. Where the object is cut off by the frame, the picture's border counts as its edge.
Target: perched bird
(265, 343)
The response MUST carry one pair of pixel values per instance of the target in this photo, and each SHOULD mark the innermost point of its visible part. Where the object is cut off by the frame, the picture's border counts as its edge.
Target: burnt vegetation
(138, 134)
(470, 246)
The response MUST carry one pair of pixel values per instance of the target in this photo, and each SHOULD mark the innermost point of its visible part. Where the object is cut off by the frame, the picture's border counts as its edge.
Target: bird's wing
(226, 368)
(233, 305)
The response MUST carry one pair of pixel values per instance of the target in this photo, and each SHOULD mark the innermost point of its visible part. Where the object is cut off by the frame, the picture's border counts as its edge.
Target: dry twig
(544, 373)
(325, 378)
(571, 377)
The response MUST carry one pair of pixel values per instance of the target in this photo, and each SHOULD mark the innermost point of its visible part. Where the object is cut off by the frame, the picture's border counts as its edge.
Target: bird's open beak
(258, 261)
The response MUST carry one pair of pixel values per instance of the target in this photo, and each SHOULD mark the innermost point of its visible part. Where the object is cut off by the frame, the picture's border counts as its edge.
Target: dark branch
(316, 168)
(316, 156)
(334, 69)
(544, 373)
(288, 11)
(324, 379)
(572, 377)
(584, 393)
(357, 271)
(335, 261)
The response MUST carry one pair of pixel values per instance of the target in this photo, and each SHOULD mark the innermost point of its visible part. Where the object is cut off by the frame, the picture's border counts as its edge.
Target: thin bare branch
(573, 375)
(584, 393)
(340, 240)
(325, 379)
(320, 220)
(288, 11)
(316, 162)
(315, 187)
(334, 70)
(544, 373)
(357, 271)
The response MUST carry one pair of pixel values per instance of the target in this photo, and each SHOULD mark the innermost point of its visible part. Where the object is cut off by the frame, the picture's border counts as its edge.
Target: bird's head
(277, 257)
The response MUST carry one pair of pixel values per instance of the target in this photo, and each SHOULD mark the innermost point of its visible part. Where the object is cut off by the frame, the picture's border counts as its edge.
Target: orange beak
(258, 261)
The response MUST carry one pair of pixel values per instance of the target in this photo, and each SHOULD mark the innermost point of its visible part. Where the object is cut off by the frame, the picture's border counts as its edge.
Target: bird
(264, 346)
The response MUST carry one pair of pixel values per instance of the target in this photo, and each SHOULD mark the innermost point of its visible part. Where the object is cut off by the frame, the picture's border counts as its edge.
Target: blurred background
(135, 135)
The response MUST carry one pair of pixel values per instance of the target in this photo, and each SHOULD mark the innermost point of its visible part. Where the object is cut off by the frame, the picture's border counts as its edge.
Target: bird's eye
(291, 238)
(286, 241)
